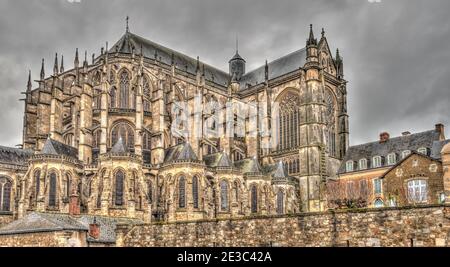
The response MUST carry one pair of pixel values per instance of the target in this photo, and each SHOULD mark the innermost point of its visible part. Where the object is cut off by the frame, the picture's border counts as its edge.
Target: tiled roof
(53, 147)
(42, 222)
(437, 148)
(395, 145)
(16, 156)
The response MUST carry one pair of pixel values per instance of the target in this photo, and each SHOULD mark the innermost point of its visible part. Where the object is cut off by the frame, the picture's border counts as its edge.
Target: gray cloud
(395, 52)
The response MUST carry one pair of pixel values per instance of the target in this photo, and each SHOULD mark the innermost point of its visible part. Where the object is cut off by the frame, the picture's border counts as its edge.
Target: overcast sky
(396, 52)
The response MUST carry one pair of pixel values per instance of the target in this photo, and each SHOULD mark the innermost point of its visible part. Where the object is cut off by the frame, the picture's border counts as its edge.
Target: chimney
(406, 133)
(440, 130)
(74, 208)
(94, 229)
(384, 137)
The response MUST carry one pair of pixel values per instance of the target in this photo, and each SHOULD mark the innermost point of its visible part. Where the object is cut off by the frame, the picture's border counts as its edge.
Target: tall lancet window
(124, 130)
(147, 93)
(182, 192)
(288, 121)
(254, 199)
(37, 181)
(124, 89)
(223, 196)
(5, 194)
(280, 202)
(195, 191)
(331, 123)
(113, 97)
(52, 191)
(119, 186)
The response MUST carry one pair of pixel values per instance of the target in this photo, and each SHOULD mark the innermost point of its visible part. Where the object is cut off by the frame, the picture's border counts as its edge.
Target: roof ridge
(393, 138)
(175, 52)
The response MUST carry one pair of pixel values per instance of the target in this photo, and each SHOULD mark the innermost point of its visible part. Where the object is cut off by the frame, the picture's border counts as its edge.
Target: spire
(198, 64)
(29, 81)
(76, 62)
(61, 70)
(323, 32)
(338, 56)
(85, 63)
(266, 71)
(311, 40)
(42, 71)
(55, 67)
(127, 27)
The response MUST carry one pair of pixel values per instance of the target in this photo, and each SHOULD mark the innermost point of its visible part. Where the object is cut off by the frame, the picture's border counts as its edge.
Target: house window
(423, 150)
(405, 153)
(195, 191)
(223, 195)
(376, 162)
(52, 190)
(391, 159)
(378, 203)
(377, 186)
(280, 202)
(417, 191)
(182, 192)
(349, 166)
(254, 199)
(5, 194)
(120, 176)
(363, 164)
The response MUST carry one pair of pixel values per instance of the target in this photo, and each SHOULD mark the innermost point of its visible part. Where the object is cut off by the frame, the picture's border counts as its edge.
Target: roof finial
(237, 43)
(266, 71)
(323, 32)
(311, 40)
(61, 70)
(42, 71)
(29, 81)
(127, 28)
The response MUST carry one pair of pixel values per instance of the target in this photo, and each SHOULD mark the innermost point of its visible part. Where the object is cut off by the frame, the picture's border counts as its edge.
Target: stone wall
(5, 219)
(409, 226)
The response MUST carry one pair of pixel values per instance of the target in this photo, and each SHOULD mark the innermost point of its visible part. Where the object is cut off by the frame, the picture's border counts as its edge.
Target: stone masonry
(400, 227)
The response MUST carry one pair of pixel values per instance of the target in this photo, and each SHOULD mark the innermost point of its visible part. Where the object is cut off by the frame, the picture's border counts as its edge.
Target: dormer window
(423, 150)
(349, 166)
(391, 158)
(363, 164)
(376, 162)
(406, 153)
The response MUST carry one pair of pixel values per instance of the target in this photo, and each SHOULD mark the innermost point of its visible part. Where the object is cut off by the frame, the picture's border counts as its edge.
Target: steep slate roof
(53, 147)
(149, 48)
(219, 159)
(277, 68)
(42, 222)
(393, 145)
(400, 162)
(119, 147)
(250, 165)
(16, 156)
(180, 152)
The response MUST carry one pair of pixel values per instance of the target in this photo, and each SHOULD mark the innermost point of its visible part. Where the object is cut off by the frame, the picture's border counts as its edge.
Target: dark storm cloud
(395, 52)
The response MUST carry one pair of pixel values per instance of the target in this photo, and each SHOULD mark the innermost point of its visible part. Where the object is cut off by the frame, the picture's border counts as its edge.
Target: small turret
(237, 65)
(311, 48)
